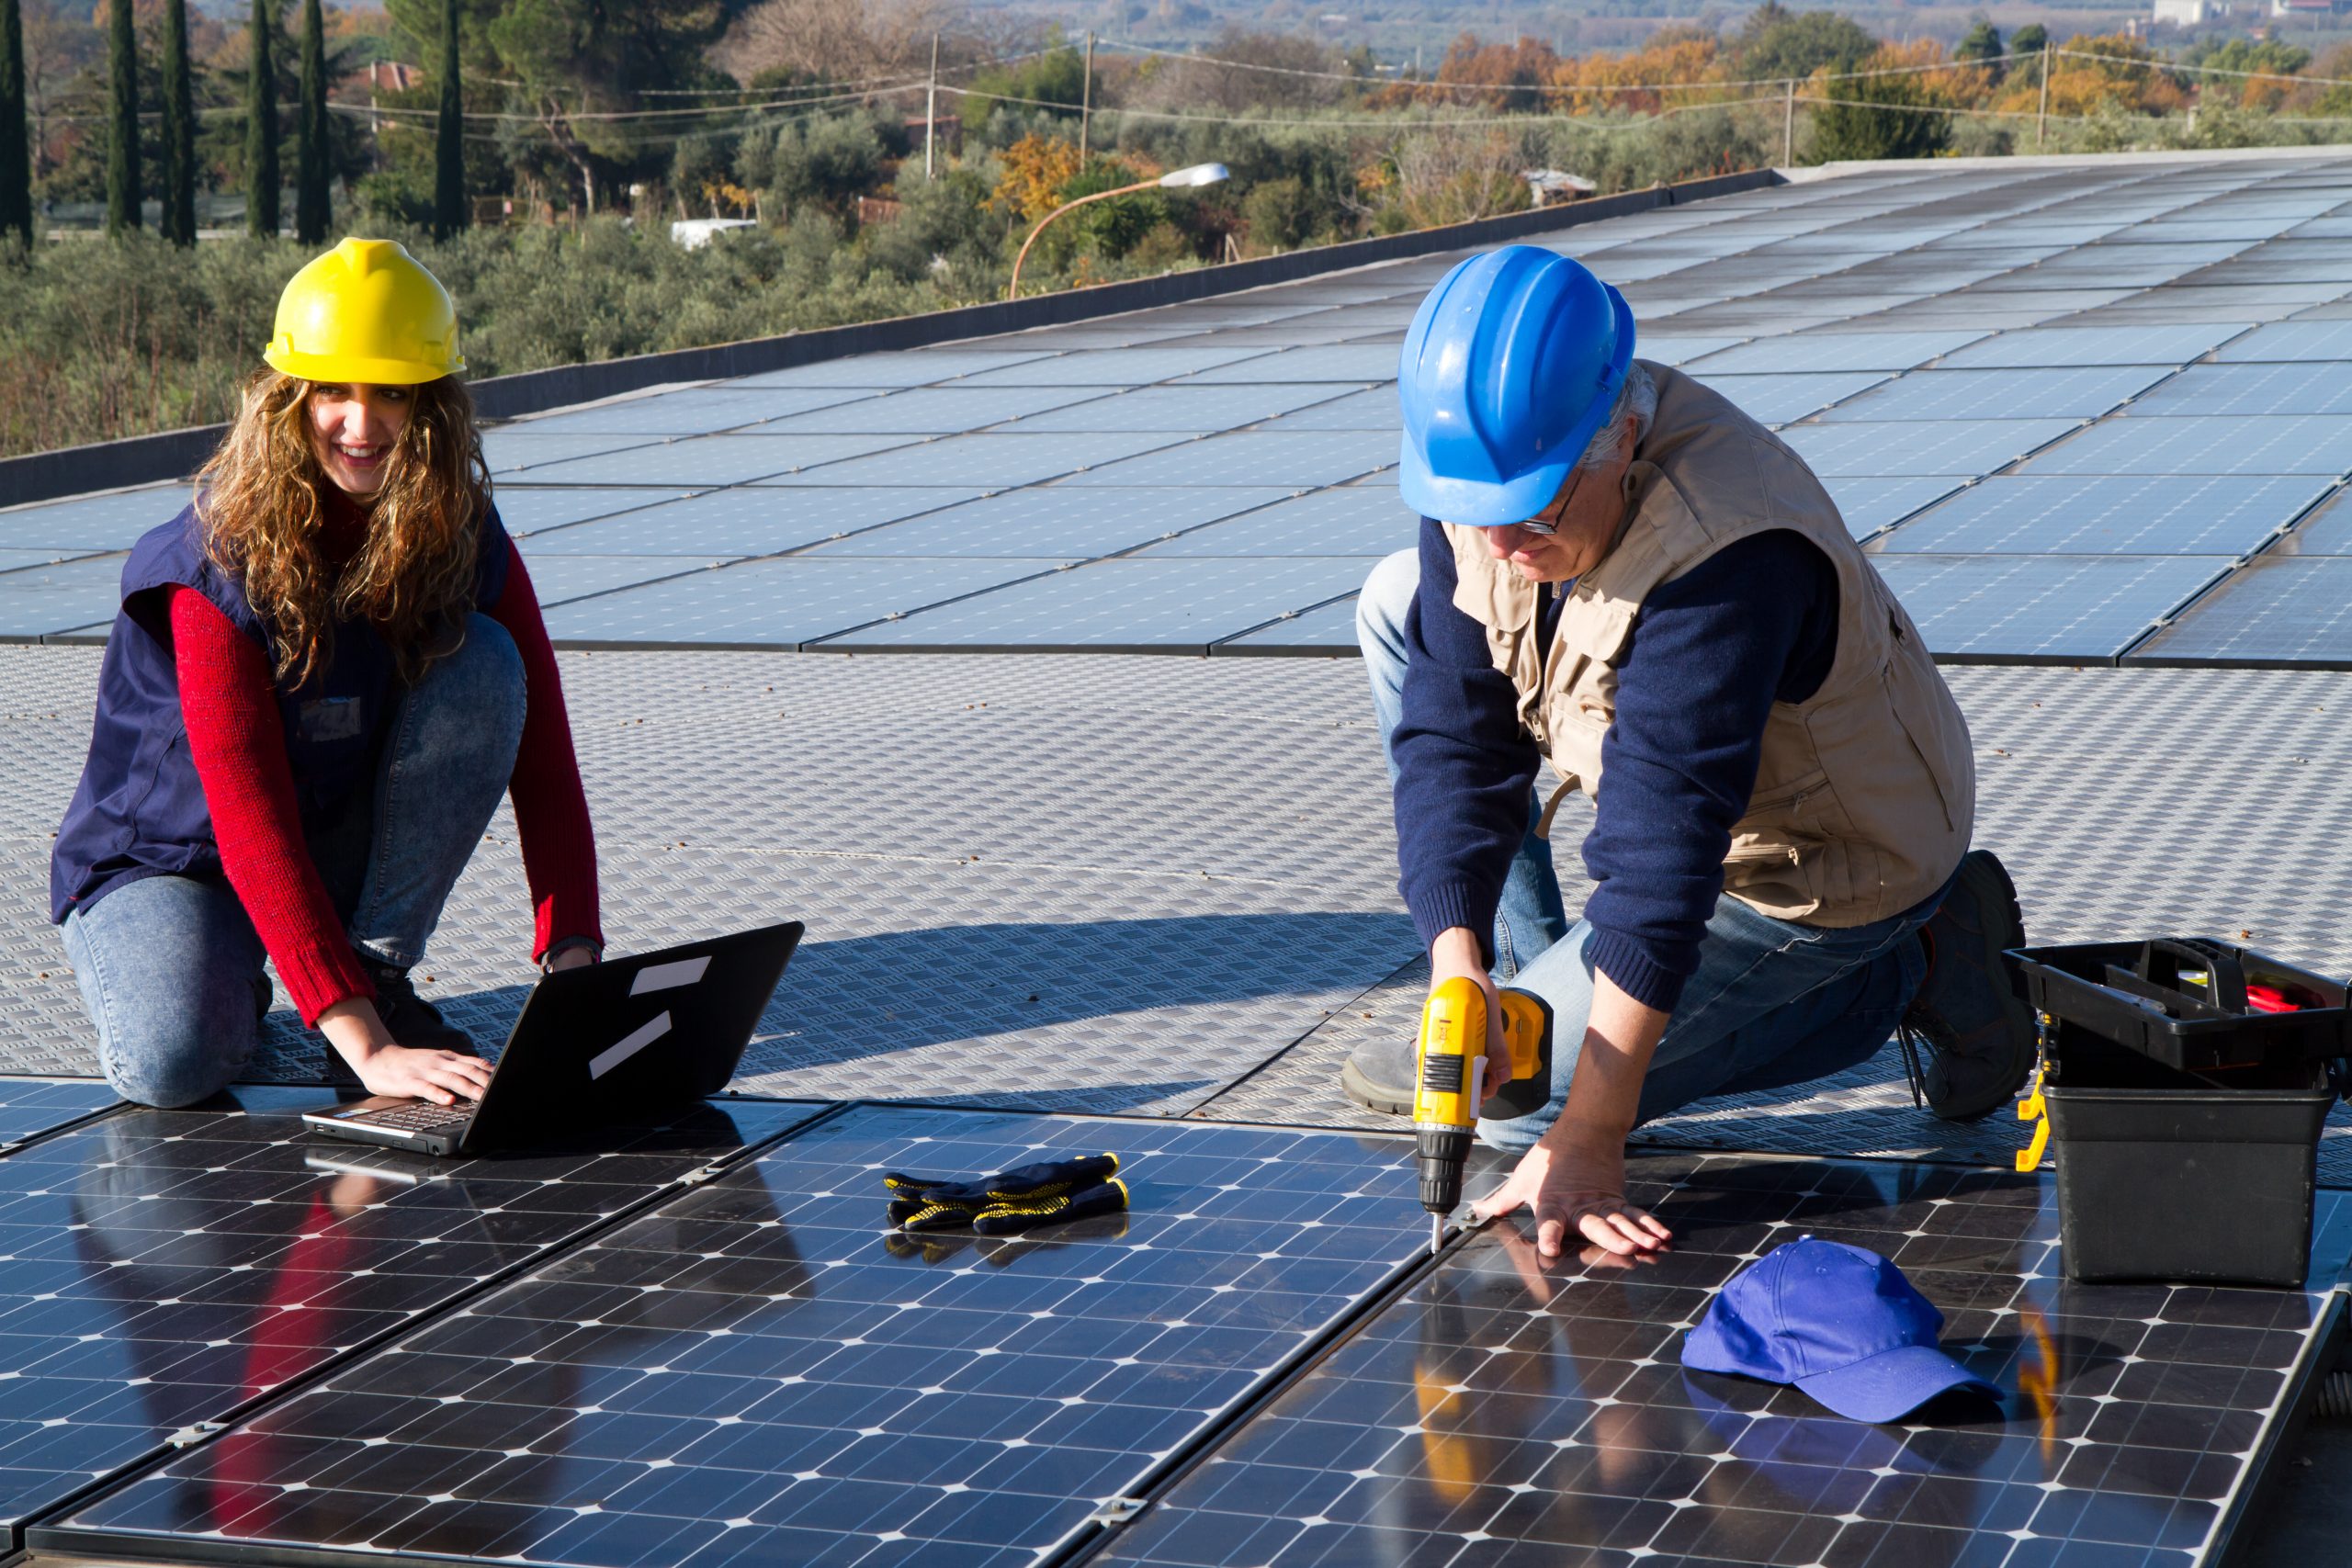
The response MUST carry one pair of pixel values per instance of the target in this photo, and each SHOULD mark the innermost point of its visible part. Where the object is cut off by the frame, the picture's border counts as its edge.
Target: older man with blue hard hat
(1622, 573)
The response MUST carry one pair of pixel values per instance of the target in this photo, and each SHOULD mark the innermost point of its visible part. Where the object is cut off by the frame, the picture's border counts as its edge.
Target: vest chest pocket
(1785, 801)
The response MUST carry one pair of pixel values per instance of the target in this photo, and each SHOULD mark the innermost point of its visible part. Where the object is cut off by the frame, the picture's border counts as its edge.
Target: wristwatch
(555, 949)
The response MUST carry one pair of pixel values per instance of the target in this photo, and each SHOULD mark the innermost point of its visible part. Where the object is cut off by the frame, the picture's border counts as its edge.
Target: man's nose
(1506, 542)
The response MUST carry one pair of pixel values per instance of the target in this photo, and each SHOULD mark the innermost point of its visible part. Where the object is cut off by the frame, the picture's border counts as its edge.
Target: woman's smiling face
(353, 430)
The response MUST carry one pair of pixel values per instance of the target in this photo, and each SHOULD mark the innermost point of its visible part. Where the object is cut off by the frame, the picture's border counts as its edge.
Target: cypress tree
(450, 135)
(312, 210)
(260, 125)
(16, 149)
(179, 129)
(122, 147)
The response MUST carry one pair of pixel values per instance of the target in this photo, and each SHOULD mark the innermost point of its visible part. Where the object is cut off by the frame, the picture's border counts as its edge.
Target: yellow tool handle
(2033, 1108)
(1450, 1068)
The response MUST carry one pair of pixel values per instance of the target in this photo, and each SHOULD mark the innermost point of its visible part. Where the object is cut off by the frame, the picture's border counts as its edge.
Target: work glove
(1014, 1200)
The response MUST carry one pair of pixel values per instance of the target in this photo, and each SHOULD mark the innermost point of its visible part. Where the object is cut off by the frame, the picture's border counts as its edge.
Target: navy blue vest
(138, 810)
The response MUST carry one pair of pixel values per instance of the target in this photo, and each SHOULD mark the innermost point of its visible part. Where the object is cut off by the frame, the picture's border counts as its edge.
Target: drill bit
(1437, 1234)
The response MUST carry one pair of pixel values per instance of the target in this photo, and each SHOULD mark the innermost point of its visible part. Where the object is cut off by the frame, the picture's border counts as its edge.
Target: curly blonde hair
(262, 501)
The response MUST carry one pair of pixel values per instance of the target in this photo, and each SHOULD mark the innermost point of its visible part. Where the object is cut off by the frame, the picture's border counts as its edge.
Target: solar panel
(1676, 348)
(513, 450)
(1833, 351)
(753, 1375)
(1915, 449)
(1507, 1412)
(29, 560)
(2044, 346)
(750, 522)
(2044, 609)
(168, 1267)
(933, 411)
(525, 511)
(2290, 443)
(1355, 521)
(29, 1107)
(913, 368)
(1152, 604)
(1056, 522)
(559, 578)
(1372, 409)
(2327, 532)
(1869, 505)
(2293, 340)
(1330, 629)
(1118, 367)
(988, 460)
(2082, 392)
(774, 603)
(46, 599)
(1777, 400)
(707, 460)
(2293, 611)
(2022, 516)
(1192, 409)
(92, 523)
(2311, 386)
(1331, 361)
(1293, 459)
(695, 411)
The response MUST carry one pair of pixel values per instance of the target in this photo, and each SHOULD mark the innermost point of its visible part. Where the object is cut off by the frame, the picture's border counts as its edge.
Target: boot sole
(1988, 880)
(1371, 1096)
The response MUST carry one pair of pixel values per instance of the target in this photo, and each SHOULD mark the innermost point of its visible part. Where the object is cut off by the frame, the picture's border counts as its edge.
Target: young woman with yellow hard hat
(323, 675)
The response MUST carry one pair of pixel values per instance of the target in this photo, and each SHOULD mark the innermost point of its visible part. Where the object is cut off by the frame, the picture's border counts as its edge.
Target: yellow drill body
(1449, 1081)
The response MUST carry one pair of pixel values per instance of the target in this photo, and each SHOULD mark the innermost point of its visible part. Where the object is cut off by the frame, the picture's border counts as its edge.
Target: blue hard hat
(1839, 1322)
(1511, 365)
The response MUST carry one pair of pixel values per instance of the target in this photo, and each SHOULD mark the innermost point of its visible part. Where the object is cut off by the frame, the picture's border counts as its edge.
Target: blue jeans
(1772, 1003)
(170, 966)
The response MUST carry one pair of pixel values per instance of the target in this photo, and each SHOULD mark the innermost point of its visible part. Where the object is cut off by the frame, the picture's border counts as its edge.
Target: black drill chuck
(1442, 1150)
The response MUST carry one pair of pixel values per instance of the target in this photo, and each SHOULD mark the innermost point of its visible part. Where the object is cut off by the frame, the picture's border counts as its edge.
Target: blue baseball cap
(1840, 1323)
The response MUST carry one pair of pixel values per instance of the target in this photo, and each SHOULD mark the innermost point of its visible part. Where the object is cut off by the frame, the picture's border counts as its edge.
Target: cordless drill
(1449, 1081)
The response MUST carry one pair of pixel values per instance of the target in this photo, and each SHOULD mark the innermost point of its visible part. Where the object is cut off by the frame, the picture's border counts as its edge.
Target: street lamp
(1176, 179)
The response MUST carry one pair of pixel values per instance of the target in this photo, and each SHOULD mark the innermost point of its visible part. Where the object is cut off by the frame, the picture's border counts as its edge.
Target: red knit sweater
(237, 741)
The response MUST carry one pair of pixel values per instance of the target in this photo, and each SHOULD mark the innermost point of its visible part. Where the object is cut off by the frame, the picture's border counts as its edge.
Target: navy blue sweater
(1712, 651)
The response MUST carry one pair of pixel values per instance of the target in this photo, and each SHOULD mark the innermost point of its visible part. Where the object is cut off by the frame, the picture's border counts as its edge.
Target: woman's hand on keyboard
(441, 1077)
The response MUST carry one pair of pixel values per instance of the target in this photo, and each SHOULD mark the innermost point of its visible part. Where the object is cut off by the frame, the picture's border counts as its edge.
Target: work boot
(1379, 1072)
(1979, 1032)
(408, 1017)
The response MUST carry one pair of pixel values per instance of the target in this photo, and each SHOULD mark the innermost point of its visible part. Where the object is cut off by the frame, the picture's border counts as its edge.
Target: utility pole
(1789, 124)
(1086, 101)
(2041, 119)
(931, 113)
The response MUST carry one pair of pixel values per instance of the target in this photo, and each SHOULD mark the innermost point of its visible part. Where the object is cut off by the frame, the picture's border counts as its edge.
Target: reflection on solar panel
(2095, 345)
(759, 522)
(2293, 444)
(1149, 604)
(2042, 609)
(2327, 532)
(559, 578)
(92, 523)
(1507, 1412)
(2078, 393)
(525, 511)
(705, 460)
(781, 602)
(214, 1257)
(45, 600)
(516, 449)
(2293, 340)
(933, 411)
(2022, 516)
(1058, 522)
(2292, 611)
(29, 1107)
(1777, 400)
(1867, 506)
(693, 412)
(1368, 520)
(985, 461)
(1296, 459)
(1909, 448)
(1331, 629)
(1337, 362)
(1372, 408)
(2293, 387)
(1832, 351)
(1198, 408)
(753, 1375)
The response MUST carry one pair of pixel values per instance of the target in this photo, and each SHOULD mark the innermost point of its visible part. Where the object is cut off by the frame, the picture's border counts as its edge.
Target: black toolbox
(2187, 1081)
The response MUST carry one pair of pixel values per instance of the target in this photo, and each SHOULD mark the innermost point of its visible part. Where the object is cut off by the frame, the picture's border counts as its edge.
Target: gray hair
(1636, 404)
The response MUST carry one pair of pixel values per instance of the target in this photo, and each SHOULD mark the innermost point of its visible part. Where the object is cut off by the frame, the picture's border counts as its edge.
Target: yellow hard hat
(365, 313)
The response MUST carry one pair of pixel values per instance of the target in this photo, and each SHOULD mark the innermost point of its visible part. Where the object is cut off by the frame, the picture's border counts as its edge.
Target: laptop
(596, 1044)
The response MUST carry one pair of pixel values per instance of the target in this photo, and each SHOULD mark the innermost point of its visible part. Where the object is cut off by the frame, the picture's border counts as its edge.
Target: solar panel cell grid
(2290, 443)
(754, 1374)
(1058, 522)
(691, 412)
(987, 460)
(41, 600)
(1296, 459)
(1917, 448)
(704, 460)
(748, 521)
(2082, 393)
(1193, 410)
(2020, 515)
(1777, 400)
(2291, 612)
(776, 603)
(92, 523)
(1883, 351)
(1357, 521)
(2292, 387)
(1118, 367)
(2048, 609)
(2095, 345)
(31, 1106)
(525, 510)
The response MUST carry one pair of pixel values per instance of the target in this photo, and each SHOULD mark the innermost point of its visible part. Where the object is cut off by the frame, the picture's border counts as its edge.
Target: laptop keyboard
(422, 1117)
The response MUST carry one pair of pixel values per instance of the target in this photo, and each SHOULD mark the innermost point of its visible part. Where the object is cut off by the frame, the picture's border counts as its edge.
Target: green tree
(1982, 46)
(1777, 41)
(179, 129)
(122, 103)
(2030, 39)
(1857, 129)
(261, 122)
(449, 133)
(16, 151)
(1055, 78)
(313, 206)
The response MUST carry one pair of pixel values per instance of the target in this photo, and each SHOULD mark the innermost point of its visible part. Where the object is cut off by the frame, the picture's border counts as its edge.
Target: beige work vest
(1867, 791)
